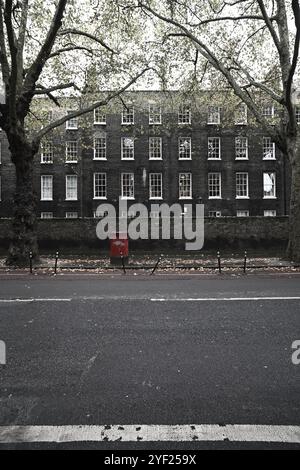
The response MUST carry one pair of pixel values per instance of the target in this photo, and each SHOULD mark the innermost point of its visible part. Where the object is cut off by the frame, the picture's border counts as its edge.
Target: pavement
(140, 362)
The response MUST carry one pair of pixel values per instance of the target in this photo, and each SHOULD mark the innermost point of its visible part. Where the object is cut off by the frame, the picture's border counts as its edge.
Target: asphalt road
(122, 351)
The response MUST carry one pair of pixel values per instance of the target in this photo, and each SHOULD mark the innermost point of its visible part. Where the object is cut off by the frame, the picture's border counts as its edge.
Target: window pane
(185, 185)
(100, 148)
(269, 185)
(46, 187)
(268, 149)
(128, 115)
(214, 185)
(213, 115)
(184, 114)
(154, 114)
(71, 151)
(241, 117)
(127, 185)
(99, 116)
(100, 185)
(241, 185)
(155, 185)
(155, 148)
(47, 152)
(185, 147)
(241, 148)
(127, 148)
(214, 148)
(71, 187)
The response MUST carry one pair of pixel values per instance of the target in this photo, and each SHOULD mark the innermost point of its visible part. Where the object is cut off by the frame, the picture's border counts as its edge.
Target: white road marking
(169, 299)
(220, 299)
(151, 433)
(7, 301)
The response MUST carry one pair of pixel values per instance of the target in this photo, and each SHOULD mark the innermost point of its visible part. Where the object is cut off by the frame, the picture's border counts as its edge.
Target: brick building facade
(153, 147)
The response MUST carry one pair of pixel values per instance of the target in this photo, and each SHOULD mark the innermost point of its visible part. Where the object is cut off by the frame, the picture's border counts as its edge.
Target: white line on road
(169, 299)
(220, 299)
(151, 433)
(33, 300)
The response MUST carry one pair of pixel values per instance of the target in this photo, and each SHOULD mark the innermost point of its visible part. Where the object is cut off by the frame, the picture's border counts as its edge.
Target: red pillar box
(118, 247)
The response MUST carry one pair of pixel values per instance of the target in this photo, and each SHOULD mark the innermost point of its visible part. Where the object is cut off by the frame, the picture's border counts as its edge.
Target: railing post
(56, 260)
(245, 262)
(156, 266)
(219, 262)
(30, 261)
(123, 263)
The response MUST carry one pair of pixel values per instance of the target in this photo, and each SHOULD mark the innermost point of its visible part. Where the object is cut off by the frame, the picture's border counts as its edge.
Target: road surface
(182, 362)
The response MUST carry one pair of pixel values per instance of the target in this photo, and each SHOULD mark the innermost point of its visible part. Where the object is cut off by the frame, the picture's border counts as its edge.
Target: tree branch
(3, 53)
(43, 90)
(38, 64)
(261, 86)
(231, 18)
(87, 35)
(289, 104)
(217, 64)
(12, 83)
(68, 49)
(36, 140)
(269, 25)
(21, 42)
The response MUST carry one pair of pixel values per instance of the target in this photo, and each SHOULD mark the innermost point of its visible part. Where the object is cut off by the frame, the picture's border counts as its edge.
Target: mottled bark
(24, 234)
(294, 230)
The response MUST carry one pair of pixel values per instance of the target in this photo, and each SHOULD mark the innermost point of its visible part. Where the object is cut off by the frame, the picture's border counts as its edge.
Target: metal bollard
(30, 261)
(123, 263)
(156, 266)
(56, 260)
(245, 262)
(219, 262)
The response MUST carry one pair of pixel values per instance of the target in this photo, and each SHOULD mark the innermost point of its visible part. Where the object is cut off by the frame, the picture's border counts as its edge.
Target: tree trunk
(24, 230)
(294, 225)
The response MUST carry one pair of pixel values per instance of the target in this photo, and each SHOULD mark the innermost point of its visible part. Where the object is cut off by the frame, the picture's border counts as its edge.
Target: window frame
(126, 112)
(213, 111)
(184, 111)
(95, 148)
(132, 182)
(272, 146)
(123, 138)
(46, 212)
(237, 174)
(268, 115)
(151, 139)
(95, 176)
(42, 188)
(208, 150)
(274, 196)
(67, 189)
(270, 215)
(101, 123)
(151, 175)
(43, 144)
(70, 127)
(71, 212)
(180, 145)
(246, 147)
(154, 114)
(66, 151)
(210, 174)
(242, 210)
(239, 122)
(189, 174)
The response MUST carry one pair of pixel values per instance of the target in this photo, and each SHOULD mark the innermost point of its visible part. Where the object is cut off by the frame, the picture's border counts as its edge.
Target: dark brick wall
(170, 166)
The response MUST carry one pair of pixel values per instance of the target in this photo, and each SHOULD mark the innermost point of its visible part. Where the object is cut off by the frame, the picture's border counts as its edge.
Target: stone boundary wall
(79, 235)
